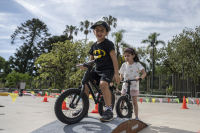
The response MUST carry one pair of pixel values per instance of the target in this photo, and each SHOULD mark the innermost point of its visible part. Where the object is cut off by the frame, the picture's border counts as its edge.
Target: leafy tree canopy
(61, 63)
(184, 50)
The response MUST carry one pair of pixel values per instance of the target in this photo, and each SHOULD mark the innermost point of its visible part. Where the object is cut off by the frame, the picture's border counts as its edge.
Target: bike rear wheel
(124, 110)
(102, 106)
(63, 109)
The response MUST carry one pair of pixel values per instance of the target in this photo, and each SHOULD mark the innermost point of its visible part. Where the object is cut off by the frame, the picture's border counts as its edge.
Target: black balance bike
(124, 107)
(75, 99)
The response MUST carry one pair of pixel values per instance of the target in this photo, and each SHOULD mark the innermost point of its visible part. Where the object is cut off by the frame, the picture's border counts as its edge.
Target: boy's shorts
(103, 75)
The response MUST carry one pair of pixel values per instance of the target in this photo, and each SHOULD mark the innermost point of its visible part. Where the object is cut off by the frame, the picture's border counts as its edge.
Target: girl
(131, 70)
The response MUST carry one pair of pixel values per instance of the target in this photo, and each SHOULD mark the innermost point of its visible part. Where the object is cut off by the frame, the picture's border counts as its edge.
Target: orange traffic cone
(141, 100)
(45, 94)
(184, 106)
(64, 107)
(96, 109)
(45, 99)
(197, 101)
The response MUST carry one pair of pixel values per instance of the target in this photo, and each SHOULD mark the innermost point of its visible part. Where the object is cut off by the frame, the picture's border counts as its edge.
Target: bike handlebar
(130, 80)
(86, 63)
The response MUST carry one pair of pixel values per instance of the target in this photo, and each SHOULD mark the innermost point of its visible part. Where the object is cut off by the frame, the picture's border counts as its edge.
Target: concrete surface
(26, 115)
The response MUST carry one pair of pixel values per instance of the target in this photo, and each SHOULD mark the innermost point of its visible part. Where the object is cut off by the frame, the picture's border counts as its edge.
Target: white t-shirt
(131, 72)
(22, 85)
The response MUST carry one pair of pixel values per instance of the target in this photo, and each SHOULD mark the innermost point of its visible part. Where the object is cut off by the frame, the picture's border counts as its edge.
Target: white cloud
(138, 17)
(7, 51)
(4, 37)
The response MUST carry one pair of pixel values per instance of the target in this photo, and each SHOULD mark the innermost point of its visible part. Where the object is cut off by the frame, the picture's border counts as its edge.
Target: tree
(118, 41)
(152, 38)
(84, 27)
(60, 64)
(54, 39)
(2, 61)
(32, 34)
(14, 78)
(184, 50)
(70, 30)
(110, 21)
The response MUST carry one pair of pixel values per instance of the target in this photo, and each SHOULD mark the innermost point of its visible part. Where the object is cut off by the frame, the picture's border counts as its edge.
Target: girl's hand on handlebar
(137, 78)
(81, 67)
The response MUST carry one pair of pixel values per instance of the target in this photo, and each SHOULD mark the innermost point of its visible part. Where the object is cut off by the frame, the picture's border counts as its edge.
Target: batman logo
(99, 53)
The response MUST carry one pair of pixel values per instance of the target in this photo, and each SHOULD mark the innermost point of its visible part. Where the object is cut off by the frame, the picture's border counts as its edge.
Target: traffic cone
(184, 106)
(45, 99)
(39, 94)
(141, 100)
(45, 94)
(197, 101)
(95, 110)
(64, 107)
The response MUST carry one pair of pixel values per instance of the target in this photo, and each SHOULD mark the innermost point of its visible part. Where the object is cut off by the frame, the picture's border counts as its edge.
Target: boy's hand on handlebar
(81, 67)
(117, 78)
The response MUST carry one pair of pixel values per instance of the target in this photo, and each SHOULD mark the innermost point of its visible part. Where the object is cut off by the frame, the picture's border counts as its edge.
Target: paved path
(26, 115)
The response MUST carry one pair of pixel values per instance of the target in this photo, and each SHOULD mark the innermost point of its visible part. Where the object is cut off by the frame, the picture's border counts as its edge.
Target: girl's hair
(132, 51)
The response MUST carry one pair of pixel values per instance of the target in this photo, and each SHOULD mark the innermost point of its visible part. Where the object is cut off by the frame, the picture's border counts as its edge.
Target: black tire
(102, 105)
(127, 108)
(58, 107)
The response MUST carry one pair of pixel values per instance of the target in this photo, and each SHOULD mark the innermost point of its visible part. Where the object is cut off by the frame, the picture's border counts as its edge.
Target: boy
(106, 66)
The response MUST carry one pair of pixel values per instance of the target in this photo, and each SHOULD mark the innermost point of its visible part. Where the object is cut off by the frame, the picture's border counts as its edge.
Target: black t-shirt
(112, 88)
(101, 53)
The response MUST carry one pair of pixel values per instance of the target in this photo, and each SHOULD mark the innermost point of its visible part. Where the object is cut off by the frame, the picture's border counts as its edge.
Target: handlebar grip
(86, 63)
(79, 65)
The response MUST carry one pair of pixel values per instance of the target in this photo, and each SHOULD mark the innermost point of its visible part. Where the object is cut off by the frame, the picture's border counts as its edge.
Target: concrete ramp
(93, 125)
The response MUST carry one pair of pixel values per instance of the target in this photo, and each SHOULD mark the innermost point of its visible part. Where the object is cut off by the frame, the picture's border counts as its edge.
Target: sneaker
(77, 112)
(136, 118)
(107, 116)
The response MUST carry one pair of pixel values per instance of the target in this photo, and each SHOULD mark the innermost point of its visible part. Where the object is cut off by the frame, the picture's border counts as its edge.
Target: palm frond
(146, 41)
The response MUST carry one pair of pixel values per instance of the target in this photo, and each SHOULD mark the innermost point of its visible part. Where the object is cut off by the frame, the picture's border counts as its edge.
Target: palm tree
(85, 25)
(119, 43)
(70, 30)
(153, 38)
(110, 21)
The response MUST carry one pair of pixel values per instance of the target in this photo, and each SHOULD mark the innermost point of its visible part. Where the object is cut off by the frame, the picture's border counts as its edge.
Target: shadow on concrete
(163, 129)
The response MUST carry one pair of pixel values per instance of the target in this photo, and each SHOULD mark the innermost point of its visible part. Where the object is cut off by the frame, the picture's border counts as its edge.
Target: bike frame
(128, 88)
(85, 81)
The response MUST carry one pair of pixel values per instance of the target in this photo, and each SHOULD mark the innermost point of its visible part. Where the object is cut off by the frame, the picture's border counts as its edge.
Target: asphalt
(27, 115)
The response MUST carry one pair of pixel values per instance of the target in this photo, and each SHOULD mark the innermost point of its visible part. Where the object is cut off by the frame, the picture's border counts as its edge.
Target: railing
(197, 94)
(179, 92)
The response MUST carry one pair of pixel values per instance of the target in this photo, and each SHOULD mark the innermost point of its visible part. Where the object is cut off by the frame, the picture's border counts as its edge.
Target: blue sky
(138, 18)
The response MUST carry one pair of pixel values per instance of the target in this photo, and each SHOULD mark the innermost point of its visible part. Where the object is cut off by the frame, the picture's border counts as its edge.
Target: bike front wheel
(64, 107)
(123, 109)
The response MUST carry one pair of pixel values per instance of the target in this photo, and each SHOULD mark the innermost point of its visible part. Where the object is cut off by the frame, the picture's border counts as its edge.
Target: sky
(138, 18)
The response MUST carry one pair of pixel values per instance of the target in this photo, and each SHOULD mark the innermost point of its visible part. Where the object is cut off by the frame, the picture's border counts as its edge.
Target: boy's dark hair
(132, 51)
